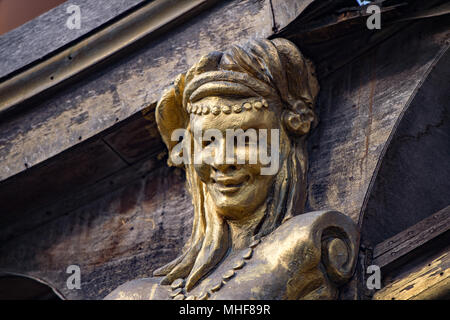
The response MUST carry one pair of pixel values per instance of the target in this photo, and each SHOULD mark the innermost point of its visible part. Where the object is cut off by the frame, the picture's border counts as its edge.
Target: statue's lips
(230, 184)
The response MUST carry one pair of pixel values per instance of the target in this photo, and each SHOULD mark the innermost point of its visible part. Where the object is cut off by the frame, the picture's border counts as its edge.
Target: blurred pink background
(14, 13)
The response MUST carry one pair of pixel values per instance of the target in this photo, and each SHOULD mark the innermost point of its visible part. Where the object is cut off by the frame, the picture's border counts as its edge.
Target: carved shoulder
(327, 237)
(140, 289)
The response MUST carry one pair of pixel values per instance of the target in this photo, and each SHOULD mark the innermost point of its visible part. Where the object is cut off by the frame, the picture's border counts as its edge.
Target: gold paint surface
(240, 213)
(177, 283)
(248, 253)
(179, 297)
(238, 265)
(228, 275)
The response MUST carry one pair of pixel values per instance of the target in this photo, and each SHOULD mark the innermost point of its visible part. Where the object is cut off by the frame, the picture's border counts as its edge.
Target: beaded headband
(216, 110)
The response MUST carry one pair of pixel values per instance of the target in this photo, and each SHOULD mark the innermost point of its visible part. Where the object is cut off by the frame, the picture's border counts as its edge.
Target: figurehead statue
(250, 237)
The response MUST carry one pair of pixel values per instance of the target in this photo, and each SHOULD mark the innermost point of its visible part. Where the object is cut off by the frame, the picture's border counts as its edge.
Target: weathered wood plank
(48, 32)
(106, 44)
(123, 235)
(412, 180)
(324, 26)
(124, 153)
(17, 223)
(358, 106)
(57, 69)
(412, 238)
(429, 280)
(68, 173)
(138, 138)
(286, 11)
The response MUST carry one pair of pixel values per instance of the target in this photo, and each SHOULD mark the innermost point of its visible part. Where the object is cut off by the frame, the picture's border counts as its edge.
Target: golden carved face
(236, 190)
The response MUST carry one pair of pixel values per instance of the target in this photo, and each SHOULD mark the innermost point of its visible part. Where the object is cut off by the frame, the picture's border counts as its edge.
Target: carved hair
(274, 70)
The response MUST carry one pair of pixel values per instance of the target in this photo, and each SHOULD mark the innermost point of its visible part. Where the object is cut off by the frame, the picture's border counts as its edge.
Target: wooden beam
(105, 43)
(134, 225)
(403, 243)
(78, 176)
(412, 181)
(47, 33)
(286, 11)
(359, 106)
(138, 138)
(428, 281)
(18, 223)
(68, 173)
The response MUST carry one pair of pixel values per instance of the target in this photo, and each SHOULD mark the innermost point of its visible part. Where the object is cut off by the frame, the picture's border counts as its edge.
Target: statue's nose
(223, 167)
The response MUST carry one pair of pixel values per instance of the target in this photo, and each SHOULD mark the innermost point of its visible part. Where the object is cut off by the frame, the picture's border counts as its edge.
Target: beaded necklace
(178, 289)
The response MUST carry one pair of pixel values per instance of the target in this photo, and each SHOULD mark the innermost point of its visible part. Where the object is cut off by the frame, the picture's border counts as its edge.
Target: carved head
(235, 190)
(258, 87)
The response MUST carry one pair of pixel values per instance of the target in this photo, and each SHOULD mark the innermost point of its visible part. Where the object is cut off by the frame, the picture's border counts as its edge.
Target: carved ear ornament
(299, 122)
(237, 108)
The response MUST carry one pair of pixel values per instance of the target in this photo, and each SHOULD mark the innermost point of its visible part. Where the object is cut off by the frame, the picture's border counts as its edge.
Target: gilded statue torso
(286, 264)
(237, 123)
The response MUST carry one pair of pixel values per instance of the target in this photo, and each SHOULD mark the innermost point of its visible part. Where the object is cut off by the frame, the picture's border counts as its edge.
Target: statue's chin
(236, 205)
(233, 210)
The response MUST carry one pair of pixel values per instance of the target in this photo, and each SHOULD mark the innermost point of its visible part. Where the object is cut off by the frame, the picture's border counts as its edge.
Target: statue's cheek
(204, 172)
